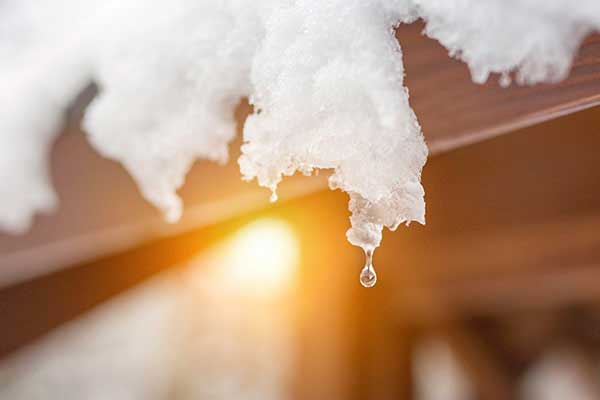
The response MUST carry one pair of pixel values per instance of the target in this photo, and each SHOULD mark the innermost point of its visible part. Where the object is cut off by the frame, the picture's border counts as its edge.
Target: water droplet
(368, 276)
(273, 197)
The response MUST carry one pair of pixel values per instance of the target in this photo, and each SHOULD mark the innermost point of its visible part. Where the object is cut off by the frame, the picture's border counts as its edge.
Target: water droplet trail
(368, 276)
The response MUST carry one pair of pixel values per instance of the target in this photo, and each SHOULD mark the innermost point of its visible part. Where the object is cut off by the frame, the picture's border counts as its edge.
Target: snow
(325, 78)
(535, 38)
(169, 90)
(331, 99)
(36, 51)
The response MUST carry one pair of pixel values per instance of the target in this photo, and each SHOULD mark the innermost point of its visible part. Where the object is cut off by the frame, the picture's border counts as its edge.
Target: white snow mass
(325, 79)
(536, 38)
(327, 97)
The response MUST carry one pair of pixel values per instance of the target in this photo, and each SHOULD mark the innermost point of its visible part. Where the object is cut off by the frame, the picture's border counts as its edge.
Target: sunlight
(262, 255)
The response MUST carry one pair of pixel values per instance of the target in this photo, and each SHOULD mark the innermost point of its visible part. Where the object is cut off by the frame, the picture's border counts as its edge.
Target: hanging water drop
(368, 276)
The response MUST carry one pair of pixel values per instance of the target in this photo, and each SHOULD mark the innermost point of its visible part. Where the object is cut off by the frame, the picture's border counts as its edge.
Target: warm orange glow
(262, 256)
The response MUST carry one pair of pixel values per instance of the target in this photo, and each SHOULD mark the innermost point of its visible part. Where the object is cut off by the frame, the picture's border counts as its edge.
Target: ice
(325, 78)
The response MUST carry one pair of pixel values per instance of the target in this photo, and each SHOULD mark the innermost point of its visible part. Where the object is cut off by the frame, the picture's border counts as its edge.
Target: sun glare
(262, 255)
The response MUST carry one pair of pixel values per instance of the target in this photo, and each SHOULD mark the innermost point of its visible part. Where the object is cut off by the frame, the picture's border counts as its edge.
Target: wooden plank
(454, 111)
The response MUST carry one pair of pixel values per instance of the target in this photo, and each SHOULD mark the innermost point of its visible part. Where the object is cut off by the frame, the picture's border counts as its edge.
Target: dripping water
(368, 276)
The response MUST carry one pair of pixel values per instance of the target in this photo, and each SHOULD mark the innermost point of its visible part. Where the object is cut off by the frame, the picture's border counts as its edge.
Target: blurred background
(497, 297)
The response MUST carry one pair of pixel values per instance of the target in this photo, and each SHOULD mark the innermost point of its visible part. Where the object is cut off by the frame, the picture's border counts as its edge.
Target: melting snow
(325, 77)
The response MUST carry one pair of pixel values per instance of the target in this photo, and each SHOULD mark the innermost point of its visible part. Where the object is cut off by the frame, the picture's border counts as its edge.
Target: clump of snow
(536, 38)
(169, 74)
(168, 92)
(40, 74)
(325, 77)
(327, 97)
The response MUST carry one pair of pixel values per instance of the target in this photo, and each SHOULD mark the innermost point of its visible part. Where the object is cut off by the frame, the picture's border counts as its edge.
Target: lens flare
(261, 256)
